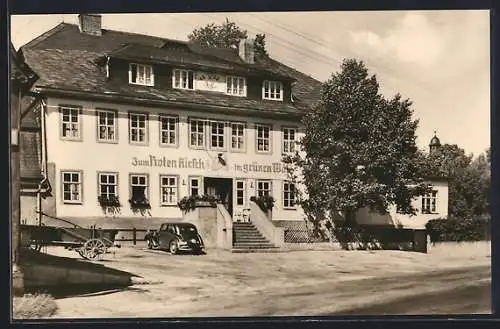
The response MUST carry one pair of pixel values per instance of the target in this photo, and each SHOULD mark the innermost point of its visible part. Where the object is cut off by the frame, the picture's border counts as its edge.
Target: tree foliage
(469, 179)
(225, 35)
(359, 148)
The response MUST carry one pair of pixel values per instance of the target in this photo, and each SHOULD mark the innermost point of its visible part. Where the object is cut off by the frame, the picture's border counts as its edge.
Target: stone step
(252, 245)
(244, 228)
(250, 241)
(251, 236)
(267, 250)
(253, 233)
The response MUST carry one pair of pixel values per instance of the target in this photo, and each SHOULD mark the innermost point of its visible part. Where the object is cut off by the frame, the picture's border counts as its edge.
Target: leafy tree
(260, 45)
(359, 149)
(469, 180)
(225, 35)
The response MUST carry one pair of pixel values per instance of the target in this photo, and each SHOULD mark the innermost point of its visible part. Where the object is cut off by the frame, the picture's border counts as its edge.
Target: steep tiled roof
(19, 70)
(194, 59)
(30, 116)
(29, 143)
(79, 52)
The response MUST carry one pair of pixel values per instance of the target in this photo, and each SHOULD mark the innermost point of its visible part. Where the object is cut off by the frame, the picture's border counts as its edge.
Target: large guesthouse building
(130, 124)
(133, 123)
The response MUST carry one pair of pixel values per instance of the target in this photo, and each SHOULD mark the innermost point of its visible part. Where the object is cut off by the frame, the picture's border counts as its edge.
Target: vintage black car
(175, 237)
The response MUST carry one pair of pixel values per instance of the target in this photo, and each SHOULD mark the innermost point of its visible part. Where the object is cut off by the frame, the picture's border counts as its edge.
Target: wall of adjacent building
(91, 157)
(365, 216)
(29, 208)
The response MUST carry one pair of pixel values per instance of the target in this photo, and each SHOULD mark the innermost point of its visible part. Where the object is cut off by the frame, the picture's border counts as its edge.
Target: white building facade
(131, 124)
(168, 153)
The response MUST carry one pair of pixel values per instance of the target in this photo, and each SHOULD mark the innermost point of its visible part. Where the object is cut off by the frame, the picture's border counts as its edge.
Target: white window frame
(199, 186)
(137, 115)
(236, 86)
(243, 190)
(258, 138)
(237, 137)
(145, 185)
(199, 123)
(429, 202)
(73, 184)
(171, 191)
(168, 131)
(73, 127)
(100, 184)
(217, 134)
(289, 146)
(141, 78)
(269, 90)
(260, 183)
(180, 79)
(286, 195)
(108, 127)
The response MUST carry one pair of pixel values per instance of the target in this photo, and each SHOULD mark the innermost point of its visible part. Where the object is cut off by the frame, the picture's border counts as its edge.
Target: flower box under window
(109, 201)
(140, 203)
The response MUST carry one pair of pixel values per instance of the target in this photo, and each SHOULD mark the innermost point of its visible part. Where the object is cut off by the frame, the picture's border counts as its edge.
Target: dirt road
(293, 284)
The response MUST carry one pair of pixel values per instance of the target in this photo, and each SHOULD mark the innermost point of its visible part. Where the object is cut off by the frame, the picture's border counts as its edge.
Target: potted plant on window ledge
(265, 203)
(191, 202)
(109, 203)
(140, 204)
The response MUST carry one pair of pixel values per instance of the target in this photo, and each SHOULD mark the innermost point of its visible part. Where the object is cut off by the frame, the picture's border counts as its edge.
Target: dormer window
(272, 90)
(236, 86)
(139, 74)
(183, 79)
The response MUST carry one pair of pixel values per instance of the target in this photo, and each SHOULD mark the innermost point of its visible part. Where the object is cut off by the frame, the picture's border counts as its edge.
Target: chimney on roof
(90, 24)
(246, 51)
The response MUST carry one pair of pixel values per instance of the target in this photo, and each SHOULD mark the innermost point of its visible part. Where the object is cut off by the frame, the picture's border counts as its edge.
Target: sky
(440, 59)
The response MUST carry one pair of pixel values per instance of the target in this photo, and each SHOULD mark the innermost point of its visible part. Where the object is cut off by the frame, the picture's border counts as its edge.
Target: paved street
(293, 284)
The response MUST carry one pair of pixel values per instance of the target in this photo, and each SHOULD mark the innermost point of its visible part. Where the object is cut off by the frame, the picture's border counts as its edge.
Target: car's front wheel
(174, 247)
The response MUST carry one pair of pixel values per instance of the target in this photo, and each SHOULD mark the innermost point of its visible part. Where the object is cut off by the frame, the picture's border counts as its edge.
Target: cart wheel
(93, 249)
(107, 243)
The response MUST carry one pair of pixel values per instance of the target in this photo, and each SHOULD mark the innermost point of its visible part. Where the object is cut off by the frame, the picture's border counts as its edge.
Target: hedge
(458, 229)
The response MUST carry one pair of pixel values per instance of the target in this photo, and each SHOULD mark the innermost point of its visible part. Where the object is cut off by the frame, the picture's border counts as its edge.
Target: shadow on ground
(77, 290)
(63, 276)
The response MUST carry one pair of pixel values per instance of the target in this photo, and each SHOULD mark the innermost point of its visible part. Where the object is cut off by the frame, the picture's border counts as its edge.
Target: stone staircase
(247, 238)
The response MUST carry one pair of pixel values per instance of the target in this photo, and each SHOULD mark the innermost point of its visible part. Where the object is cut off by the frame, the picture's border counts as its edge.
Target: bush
(265, 202)
(189, 203)
(111, 201)
(139, 203)
(458, 229)
(34, 306)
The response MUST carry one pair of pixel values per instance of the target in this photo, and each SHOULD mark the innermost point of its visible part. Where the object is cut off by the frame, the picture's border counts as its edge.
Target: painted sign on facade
(210, 82)
(163, 162)
(206, 164)
(275, 167)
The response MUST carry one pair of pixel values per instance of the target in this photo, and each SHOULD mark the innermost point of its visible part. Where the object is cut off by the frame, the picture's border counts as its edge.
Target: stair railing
(276, 235)
(225, 227)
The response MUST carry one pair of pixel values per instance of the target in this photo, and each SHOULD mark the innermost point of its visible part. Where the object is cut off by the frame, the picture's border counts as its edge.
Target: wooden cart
(91, 243)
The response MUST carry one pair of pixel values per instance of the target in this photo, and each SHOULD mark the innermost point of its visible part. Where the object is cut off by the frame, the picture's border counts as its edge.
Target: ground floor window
(240, 192)
(264, 188)
(429, 202)
(288, 195)
(169, 190)
(139, 188)
(194, 185)
(72, 186)
(108, 185)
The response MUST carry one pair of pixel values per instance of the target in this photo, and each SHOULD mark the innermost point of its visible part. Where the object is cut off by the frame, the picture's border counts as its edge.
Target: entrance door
(222, 189)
